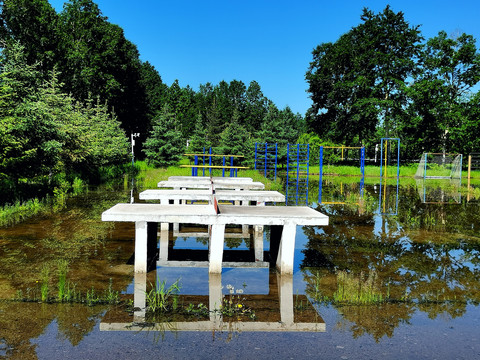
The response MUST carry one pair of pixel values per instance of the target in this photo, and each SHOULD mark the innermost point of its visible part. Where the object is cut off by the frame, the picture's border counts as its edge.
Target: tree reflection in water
(427, 257)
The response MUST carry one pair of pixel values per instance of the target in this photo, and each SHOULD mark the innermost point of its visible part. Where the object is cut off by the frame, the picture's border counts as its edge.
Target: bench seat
(207, 184)
(260, 197)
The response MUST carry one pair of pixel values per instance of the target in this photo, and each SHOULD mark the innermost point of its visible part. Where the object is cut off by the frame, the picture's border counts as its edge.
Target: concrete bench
(207, 184)
(260, 197)
(283, 222)
(208, 178)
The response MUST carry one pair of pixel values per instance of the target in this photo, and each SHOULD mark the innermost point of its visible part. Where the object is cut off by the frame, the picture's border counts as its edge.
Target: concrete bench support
(215, 255)
(141, 238)
(287, 249)
(145, 244)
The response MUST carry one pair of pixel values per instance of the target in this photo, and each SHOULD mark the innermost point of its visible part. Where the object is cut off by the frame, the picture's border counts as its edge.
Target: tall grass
(359, 290)
(19, 211)
(11, 214)
(353, 289)
(162, 298)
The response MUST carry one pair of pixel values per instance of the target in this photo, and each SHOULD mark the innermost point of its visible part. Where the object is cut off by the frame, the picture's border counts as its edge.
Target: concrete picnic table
(283, 220)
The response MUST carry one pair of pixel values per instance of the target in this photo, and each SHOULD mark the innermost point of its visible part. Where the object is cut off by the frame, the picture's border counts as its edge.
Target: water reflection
(278, 309)
(426, 256)
(388, 197)
(439, 191)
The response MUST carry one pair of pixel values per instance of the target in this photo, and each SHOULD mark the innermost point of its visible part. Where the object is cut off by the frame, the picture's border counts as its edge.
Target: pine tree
(235, 140)
(199, 139)
(165, 144)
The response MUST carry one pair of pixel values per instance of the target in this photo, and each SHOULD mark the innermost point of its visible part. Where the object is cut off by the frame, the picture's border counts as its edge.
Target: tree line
(74, 89)
(382, 79)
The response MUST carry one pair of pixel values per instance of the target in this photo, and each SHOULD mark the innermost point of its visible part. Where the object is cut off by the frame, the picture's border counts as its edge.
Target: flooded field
(409, 250)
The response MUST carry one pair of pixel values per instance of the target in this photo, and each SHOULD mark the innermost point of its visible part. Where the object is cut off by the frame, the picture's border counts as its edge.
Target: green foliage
(160, 296)
(165, 144)
(358, 82)
(46, 133)
(357, 290)
(440, 118)
(235, 140)
(199, 140)
(44, 282)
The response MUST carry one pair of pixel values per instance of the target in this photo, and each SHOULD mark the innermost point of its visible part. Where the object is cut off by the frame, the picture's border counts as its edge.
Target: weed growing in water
(62, 268)
(356, 290)
(232, 304)
(109, 296)
(44, 278)
(158, 298)
(199, 310)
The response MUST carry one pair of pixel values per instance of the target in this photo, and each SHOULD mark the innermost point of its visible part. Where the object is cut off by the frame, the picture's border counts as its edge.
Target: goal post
(439, 166)
(390, 157)
(340, 155)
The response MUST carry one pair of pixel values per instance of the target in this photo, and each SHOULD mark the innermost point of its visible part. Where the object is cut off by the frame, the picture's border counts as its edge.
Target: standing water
(394, 275)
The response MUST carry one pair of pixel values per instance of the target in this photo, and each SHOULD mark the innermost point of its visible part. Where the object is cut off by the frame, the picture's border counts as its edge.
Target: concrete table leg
(286, 250)
(258, 229)
(215, 296)
(139, 296)
(217, 238)
(176, 226)
(163, 246)
(285, 294)
(141, 237)
(258, 245)
(164, 226)
(244, 227)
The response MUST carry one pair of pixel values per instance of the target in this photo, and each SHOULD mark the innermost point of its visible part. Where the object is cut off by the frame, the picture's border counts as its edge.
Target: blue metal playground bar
(266, 157)
(233, 169)
(298, 160)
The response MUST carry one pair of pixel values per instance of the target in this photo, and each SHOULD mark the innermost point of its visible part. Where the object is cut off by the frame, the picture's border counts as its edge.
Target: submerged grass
(11, 214)
(66, 291)
(358, 290)
(162, 298)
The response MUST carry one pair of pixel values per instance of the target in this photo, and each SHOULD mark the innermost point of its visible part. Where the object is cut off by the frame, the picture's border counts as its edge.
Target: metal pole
(398, 159)
(288, 168)
(266, 159)
(308, 170)
(203, 169)
(210, 161)
(320, 166)
(276, 154)
(362, 160)
(298, 171)
(425, 168)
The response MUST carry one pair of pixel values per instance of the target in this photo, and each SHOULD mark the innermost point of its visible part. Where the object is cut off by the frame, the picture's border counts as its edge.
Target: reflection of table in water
(256, 242)
(274, 312)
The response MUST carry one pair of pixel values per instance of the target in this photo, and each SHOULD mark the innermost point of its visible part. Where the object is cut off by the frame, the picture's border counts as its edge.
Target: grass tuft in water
(352, 290)
(357, 290)
(158, 298)
(44, 279)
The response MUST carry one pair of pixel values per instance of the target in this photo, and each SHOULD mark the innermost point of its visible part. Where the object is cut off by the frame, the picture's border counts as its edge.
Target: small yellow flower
(239, 306)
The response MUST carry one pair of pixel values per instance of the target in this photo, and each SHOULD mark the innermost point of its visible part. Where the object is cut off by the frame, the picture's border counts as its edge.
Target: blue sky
(267, 41)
